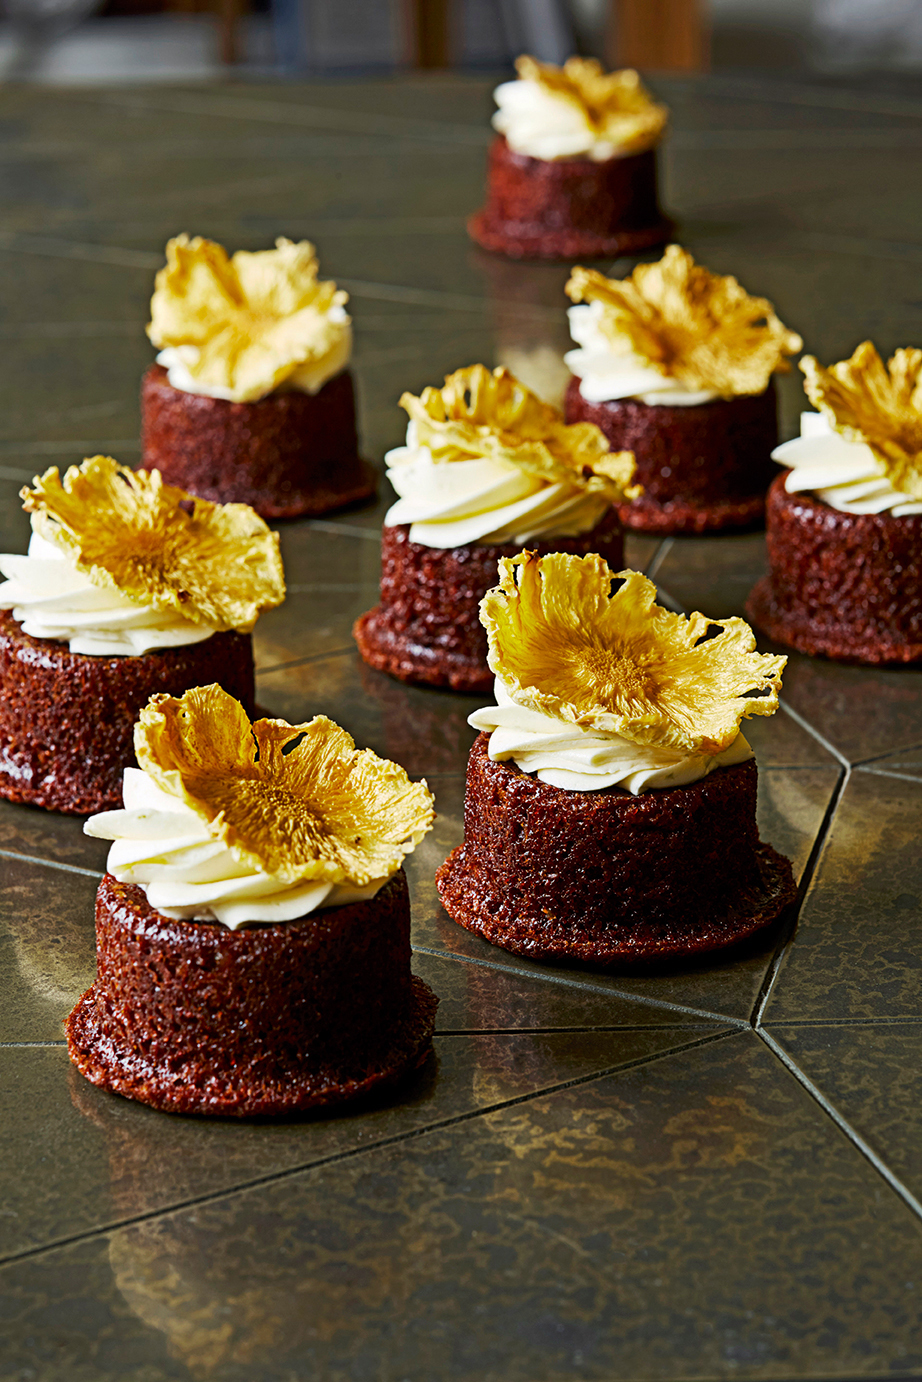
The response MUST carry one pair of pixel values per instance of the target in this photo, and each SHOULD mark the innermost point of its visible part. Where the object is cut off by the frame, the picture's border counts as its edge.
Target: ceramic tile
(86, 1158)
(906, 763)
(695, 1216)
(856, 952)
(47, 947)
(792, 805)
(869, 1074)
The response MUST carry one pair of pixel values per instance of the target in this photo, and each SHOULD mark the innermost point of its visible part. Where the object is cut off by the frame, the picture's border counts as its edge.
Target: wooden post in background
(429, 32)
(664, 35)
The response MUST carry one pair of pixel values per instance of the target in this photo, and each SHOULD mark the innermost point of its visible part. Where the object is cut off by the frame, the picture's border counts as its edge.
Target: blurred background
(98, 41)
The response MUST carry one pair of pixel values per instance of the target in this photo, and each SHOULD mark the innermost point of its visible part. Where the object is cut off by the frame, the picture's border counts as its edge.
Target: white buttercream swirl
(51, 599)
(845, 474)
(164, 847)
(307, 378)
(452, 503)
(586, 760)
(541, 124)
(606, 373)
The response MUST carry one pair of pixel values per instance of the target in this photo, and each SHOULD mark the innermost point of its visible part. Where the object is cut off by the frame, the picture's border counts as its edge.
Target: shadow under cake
(67, 719)
(191, 1017)
(572, 208)
(703, 468)
(427, 626)
(841, 585)
(291, 454)
(607, 877)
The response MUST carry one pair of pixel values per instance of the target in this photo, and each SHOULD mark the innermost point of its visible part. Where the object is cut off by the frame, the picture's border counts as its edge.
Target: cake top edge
(570, 638)
(698, 327)
(480, 413)
(866, 400)
(214, 564)
(243, 325)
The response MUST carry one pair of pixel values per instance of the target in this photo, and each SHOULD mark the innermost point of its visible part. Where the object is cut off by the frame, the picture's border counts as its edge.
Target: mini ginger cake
(253, 928)
(572, 172)
(844, 525)
(487, 467)
(129, 587)
(251, 399)
(675, 364)
(610, 807)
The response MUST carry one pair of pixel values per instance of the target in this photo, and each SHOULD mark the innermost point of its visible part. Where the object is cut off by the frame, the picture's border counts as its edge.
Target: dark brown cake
(191, 1017)
(287, 455)
(606, 876)
(67, 719)
(703, 468)
(427, 627)
(841, 585)
(571, 208)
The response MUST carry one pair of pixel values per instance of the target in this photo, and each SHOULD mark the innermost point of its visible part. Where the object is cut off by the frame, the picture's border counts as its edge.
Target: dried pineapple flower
(215, 564)
(493, 415)
(254, 319)
(564, 645)
(615, 105)
(881, 405)
(700, 328)
(300, 802)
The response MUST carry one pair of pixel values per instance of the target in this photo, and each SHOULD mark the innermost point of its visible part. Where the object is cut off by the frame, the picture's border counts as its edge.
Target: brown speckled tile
(695, 1216)
(109, 1159)
(857, 953)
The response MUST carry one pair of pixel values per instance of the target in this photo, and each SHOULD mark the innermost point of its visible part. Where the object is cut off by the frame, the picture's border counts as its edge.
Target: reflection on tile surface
(516, 1213)
(664, 1222)
(857, 952)
(112, 1159)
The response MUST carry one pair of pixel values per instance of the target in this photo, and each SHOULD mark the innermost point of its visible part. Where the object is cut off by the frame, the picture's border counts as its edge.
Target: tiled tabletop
(703, 1172)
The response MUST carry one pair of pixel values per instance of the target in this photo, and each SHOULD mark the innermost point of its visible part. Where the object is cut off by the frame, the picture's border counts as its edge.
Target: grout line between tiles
(659, 556)
(15, 1045)
(49, 863)
(349, 1155)
(886, 772)
(879, 757)
(301, 661)
(814, 733)
(777, 963)
(843, 1022)
(661, 1003)
(843, 1125)
(323, 525)
(547, 1031)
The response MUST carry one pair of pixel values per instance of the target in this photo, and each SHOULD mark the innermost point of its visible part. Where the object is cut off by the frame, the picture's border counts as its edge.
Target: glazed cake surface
(288, 455)
(191, 1017)
(67, 719)
(703, 468)
(846, 586)
(607, 877)
(571, 208)
(427, 627)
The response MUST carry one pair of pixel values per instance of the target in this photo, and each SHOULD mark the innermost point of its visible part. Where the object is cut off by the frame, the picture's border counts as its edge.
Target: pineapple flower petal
(700, 328)
(880, 405)
(252, 319)
(615, 105)
(479, 413)
(216, 564)
(564, 645)
(299, 802)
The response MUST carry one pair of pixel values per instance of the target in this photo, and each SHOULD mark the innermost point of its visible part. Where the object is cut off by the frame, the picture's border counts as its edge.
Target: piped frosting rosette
(120, 563)
(238, 822)
(672, 333)
(862, 451)
(487, 461)
(240, 327)
(577, 111)
(597, 686)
